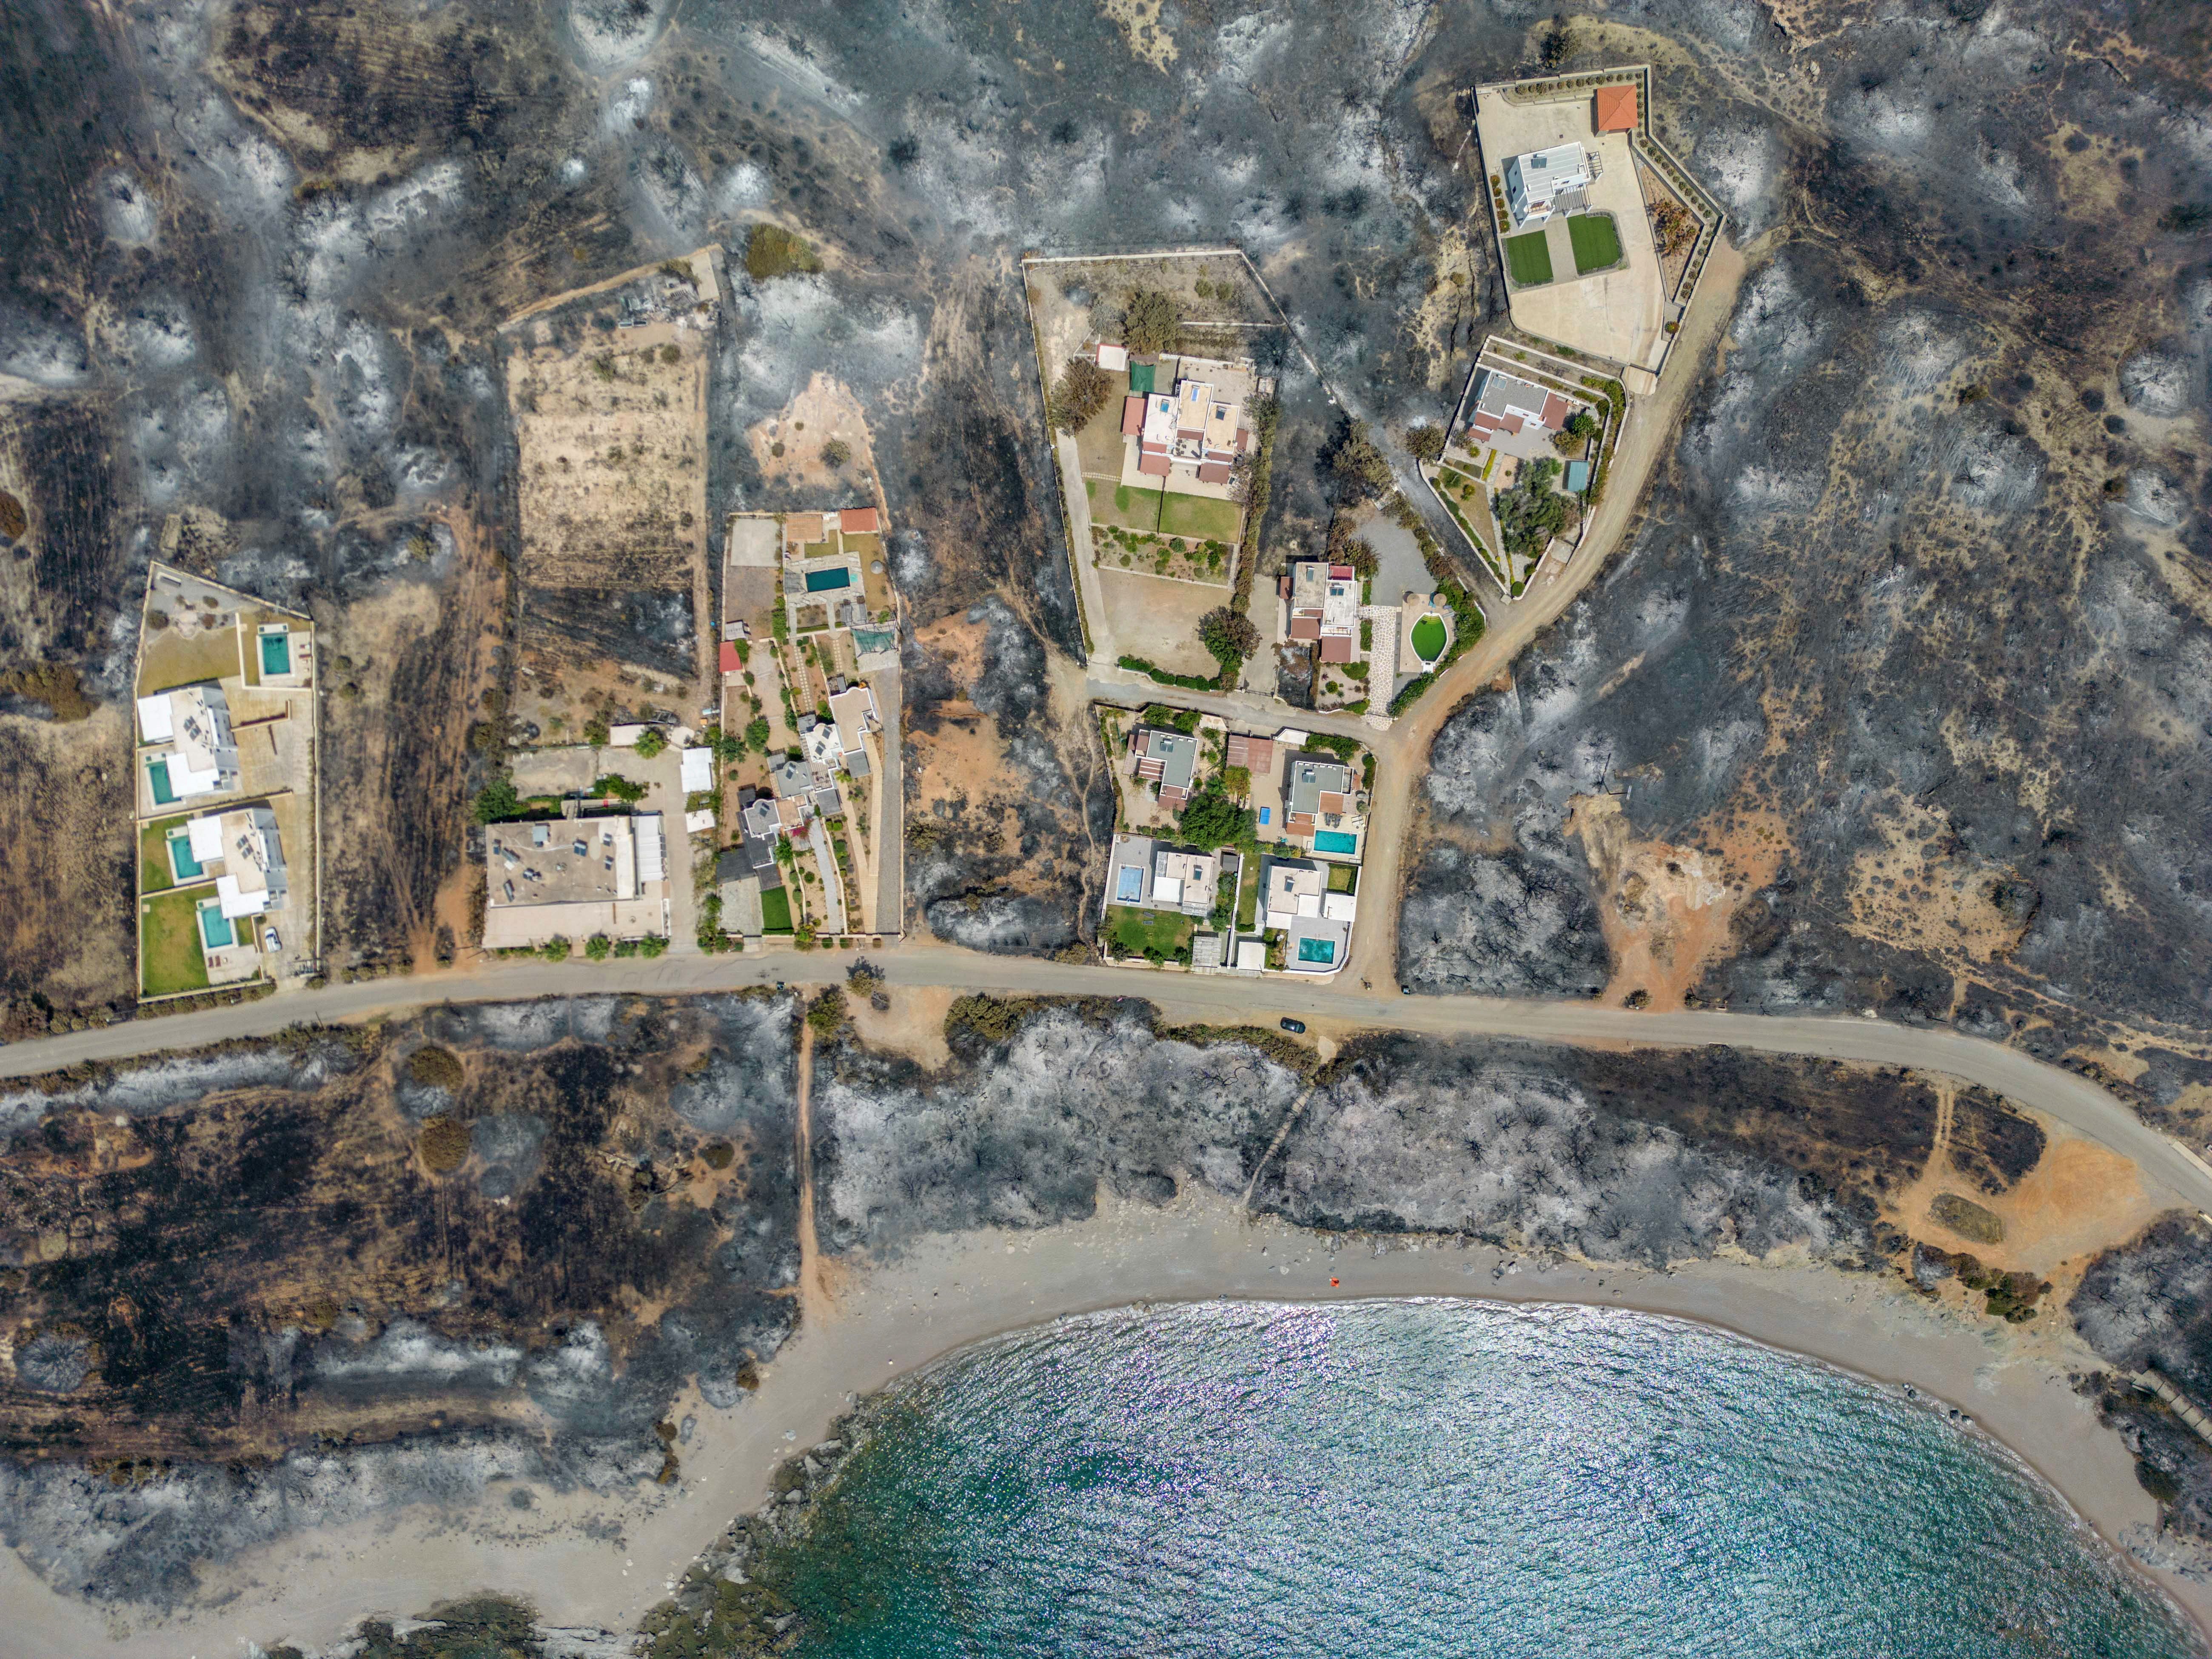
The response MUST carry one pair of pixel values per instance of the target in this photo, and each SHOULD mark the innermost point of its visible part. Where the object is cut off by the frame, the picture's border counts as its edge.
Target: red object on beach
(1332, 1282)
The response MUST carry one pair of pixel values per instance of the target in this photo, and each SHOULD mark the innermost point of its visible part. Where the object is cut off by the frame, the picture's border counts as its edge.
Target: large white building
(190, 750)
(246, 843)
(1546, 181)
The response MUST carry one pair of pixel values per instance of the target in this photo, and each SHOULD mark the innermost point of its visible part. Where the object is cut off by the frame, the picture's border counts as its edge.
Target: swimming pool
(181, 860)
(1317, 950)
(157, 773)
(1429, 639)
(821, 581)
(215, 930)
(1335, 841)
(276, 654)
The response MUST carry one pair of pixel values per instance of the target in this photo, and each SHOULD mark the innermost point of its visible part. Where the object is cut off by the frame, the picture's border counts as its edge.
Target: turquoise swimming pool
(215, 930)
(821, 581)
(181, 860)
(1317, 950)
(157, 773)
(1335, 841)
(276, 654)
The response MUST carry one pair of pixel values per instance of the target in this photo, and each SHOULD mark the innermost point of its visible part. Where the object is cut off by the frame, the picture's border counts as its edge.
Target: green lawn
(1132, 930)
(776, 910)
(154, 871)
(1119, 504)
(1528, 258)
(1198, 515)
(1596, 241)
(169, 943)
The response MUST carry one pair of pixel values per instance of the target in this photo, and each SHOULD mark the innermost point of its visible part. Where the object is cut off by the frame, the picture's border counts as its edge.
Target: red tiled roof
(857, 520)
(1616, 109)
(1482, 423)
(1255, 754)
(1305, 628)
(1155, 464)
(1213, 473)
(1340, 573)
(1555, 411)
(1330, 801)
(1336, 647)
(729, 663)
(1513, 423)
(1132, 416)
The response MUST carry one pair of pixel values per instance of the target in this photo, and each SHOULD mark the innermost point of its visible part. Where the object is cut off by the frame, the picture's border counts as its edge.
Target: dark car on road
(1296, 1027)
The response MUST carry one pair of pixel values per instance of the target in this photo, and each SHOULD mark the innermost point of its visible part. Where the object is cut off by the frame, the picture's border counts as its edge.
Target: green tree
(1085, 389)
(497, 800)
(651, 742)
(1360, 469)
(1583, 423)
(652, 946)
(598, 947)
(1228, 635)
(595, 733)
(1426, 443)
(1151, 324)
(756, 734)
(1211, 819)
(837, 452)
(613, 787)
(826, 1013)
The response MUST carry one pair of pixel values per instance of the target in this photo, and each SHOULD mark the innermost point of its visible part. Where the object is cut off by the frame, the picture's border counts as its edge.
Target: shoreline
(947, 1293)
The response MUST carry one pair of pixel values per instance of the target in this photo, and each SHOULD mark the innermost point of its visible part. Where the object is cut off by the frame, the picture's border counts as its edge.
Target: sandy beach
(864, 1327)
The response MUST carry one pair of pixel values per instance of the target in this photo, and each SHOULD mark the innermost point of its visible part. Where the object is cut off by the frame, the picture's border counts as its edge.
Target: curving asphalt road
(2071, 1099)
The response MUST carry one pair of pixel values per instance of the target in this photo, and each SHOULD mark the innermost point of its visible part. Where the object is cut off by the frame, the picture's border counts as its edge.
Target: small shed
(1577, 476)
(1616, 108)
(1114, 359)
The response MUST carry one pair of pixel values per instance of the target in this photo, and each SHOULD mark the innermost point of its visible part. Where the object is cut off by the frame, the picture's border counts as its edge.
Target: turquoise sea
(1439, 1477)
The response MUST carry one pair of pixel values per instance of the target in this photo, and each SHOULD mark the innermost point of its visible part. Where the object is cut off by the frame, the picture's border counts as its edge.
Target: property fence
(1559, 88)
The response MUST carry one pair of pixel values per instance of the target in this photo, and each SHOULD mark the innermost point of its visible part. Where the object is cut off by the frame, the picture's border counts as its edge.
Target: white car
(270, 942)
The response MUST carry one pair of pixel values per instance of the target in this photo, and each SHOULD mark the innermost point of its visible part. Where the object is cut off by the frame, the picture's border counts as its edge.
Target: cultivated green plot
(1119, 504)
(1529, 258)
(1202, 516)
(1154, 932)
(169, 945)
(776, 910)
(1596, 241)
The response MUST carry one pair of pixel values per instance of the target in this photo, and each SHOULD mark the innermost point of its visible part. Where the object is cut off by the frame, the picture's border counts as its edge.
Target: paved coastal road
(2073, 1100)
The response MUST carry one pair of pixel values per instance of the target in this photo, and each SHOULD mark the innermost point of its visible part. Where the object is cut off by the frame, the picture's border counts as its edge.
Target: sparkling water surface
(1440, 1478)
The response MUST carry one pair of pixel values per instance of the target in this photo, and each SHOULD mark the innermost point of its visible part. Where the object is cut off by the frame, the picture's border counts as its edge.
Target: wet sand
(879, 1323)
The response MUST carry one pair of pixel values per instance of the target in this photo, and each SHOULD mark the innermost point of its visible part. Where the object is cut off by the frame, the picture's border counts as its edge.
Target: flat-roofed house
(1324, 608)
(1198, 429)
(1314, 787)
(1145, 874)
(1547, 181)
(195, 753)
(572, 878)
(855, 712)
(1167, 758)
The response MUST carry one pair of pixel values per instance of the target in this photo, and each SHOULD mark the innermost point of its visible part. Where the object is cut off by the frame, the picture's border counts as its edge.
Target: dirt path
(816, 1303)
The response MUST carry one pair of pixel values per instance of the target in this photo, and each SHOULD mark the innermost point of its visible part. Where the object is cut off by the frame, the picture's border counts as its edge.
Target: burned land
(461, 1232)
(1900, 696)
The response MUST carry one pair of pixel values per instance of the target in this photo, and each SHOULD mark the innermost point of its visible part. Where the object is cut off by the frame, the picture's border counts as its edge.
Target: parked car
(1295, 1027)
(269, 941)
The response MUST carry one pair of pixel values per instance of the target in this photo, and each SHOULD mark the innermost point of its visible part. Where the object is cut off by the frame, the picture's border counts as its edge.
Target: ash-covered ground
(1644, 1157)
(1908, 667)
(278, 1288)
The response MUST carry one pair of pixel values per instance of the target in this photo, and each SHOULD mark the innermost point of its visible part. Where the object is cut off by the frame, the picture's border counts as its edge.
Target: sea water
(1439, 1477)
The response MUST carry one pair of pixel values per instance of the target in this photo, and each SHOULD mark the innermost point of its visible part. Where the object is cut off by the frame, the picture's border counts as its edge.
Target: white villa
(193, 750)
(1547, 181)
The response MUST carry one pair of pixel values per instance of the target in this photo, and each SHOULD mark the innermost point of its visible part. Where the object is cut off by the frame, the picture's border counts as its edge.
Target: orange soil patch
(1666, 909)
(2080, 1199)
(913, 1025)
(826, 409)
(1918, 892)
